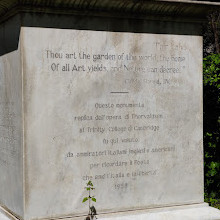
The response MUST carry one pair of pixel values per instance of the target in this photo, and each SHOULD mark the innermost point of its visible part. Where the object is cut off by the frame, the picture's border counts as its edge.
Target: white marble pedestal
(185, 212)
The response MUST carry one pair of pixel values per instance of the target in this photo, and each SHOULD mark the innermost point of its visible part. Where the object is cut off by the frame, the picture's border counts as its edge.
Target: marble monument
(122, 109)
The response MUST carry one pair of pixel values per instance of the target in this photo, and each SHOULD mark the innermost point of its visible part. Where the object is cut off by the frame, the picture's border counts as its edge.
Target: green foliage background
(211, 80)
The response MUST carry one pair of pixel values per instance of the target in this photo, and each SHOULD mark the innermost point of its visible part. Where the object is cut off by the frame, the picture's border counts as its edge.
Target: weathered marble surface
(11, 148)
(122, 109)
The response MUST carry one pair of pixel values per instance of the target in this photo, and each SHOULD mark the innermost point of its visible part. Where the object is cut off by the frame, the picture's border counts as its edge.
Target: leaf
(87, 188)
(89, 183)
(85, 199)
(94, 199)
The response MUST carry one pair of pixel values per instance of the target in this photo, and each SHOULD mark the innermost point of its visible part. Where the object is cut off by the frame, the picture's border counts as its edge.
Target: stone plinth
(192, 212)
(119, 108)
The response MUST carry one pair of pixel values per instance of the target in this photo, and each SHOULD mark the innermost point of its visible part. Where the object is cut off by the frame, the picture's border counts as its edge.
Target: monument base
(184, 212)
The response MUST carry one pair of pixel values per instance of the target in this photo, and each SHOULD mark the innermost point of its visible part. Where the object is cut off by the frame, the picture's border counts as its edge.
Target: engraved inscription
(124, 126)
(7, 133)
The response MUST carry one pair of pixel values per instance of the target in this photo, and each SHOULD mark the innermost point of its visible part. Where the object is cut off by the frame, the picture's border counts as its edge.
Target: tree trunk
(214, 22)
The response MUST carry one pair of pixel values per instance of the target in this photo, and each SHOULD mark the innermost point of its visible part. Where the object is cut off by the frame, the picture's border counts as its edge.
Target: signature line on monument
(120, 92)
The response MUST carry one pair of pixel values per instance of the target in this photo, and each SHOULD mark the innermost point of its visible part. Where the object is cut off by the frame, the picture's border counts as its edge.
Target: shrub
(211, 80)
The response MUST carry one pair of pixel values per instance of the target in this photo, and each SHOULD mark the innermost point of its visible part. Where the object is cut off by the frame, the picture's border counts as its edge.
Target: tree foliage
(211, 70)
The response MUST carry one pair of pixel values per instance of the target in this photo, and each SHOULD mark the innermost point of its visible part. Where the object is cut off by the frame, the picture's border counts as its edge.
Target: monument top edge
(194, 2)
(174, 8)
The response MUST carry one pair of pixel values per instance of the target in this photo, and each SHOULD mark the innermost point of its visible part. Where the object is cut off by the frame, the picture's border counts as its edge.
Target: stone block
(121, 109)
